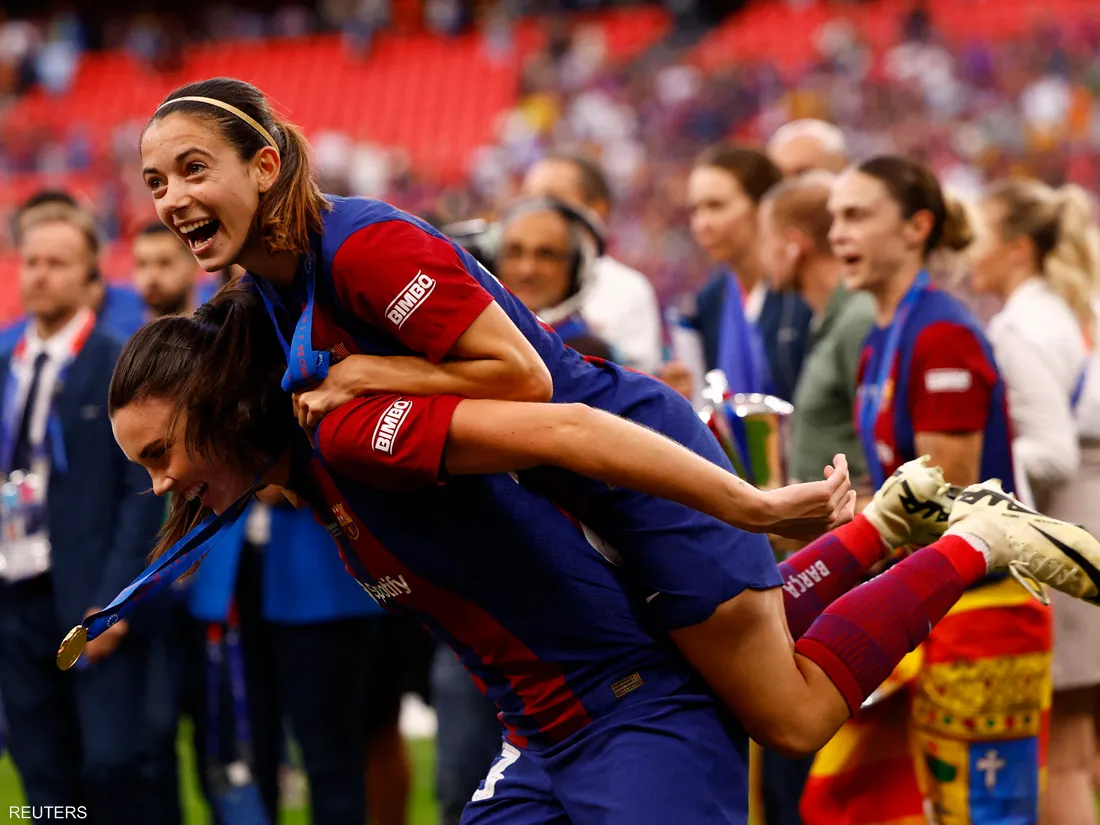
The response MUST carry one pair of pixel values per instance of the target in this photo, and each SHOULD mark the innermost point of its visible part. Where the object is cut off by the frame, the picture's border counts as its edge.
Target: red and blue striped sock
(861, 637)
(826, 569)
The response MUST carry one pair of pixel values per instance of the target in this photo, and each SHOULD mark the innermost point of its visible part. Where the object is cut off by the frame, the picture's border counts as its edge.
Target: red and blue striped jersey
(547, 623)
(944, 379)
(560, 621)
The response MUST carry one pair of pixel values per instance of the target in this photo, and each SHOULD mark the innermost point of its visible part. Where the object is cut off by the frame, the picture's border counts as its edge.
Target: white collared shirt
(620, 306)
(1040, 350)
(58, 347)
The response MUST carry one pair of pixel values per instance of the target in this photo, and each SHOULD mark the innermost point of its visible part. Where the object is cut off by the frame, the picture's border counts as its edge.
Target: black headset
(588, 235)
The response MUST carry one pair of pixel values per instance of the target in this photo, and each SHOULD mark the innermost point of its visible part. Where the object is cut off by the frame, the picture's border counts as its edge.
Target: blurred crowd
(973, 112)
(673, 220)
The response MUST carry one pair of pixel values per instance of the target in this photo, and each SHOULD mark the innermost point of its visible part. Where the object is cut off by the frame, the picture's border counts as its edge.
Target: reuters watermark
(47, 812)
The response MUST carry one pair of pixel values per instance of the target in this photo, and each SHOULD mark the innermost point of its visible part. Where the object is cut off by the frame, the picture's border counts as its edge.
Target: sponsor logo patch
(948, 380)
(410, 299)
(389, 425)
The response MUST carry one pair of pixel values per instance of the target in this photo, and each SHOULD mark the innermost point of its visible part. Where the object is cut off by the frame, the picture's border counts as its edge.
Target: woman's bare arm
(499, 436)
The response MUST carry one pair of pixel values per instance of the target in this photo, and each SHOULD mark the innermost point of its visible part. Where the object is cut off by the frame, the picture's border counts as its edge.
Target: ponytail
(1061, 227)
(958, 232)
(220, 368)
(292, 209)
(1072, 268)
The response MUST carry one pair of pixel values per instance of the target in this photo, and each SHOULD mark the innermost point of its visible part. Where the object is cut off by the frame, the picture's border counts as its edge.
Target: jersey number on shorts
(508, 755)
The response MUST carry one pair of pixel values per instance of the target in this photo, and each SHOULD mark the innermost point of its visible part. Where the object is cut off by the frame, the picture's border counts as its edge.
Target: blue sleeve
(684, 564)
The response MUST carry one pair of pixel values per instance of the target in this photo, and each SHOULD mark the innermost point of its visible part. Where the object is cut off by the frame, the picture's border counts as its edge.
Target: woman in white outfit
(1039, 255)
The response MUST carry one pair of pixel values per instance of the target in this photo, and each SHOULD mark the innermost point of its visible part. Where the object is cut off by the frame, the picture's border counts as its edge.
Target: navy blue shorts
(658, 764)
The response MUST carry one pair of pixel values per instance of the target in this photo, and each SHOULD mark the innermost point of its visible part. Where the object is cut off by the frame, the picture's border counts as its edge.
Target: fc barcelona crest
(345, 522)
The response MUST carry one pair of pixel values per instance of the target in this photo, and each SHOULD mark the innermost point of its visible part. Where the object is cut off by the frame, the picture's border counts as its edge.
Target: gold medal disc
(71, 647)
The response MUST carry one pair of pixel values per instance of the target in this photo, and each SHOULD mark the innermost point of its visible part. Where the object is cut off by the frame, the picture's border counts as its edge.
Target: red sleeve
(387, 441)
(409, 283)
(951, 381)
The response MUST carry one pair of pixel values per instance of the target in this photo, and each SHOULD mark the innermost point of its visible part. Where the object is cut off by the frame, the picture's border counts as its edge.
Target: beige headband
(221, 104)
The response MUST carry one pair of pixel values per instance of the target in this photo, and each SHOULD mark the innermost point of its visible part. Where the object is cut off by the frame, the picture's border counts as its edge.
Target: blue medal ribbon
(158, 577)
(305, 368)
(871, 395)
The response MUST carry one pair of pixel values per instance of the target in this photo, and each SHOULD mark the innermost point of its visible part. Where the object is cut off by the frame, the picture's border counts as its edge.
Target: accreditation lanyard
(53, 445)
(872, 394)
(223, 653)
(738, 354)
(305, 368)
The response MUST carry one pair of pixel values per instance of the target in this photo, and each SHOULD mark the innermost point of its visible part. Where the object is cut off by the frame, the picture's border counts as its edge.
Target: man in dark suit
(80, 737)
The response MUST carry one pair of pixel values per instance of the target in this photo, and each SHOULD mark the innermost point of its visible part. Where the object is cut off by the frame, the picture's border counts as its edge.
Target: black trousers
(316, 679)
(102, 737)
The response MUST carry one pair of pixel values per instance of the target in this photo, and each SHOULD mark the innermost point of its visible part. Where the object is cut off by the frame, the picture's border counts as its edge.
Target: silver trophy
(760, 457)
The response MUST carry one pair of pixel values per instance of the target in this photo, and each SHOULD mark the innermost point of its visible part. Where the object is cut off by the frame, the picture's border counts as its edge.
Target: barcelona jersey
(943, 380)
(556, 591)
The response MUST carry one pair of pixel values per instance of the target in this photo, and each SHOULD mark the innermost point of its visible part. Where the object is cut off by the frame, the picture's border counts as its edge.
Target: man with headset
(547, 255)
(619, 304)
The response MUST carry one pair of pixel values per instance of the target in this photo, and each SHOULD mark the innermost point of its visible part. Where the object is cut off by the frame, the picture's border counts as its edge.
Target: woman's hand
(343, 384)
(806, 511)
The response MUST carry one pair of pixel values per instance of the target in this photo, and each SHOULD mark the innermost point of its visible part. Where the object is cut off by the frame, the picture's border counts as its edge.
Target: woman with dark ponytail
(441, 509)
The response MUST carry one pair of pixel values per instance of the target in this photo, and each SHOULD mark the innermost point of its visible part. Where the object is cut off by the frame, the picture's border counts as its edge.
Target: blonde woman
(1039, 255)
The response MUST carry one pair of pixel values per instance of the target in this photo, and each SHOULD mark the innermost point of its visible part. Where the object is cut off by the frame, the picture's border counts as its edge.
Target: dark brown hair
(752, 168)
(594, 186)
(915, 189)
(221, 367)
(292, 208)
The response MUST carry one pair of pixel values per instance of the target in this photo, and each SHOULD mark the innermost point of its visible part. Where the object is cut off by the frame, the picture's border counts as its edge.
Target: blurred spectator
(548, 251)
(311, 640)
(165, 271)
(794, 242)
(808, 144)
(118, 308)
(619, 303)
(468, 738)
(755, 335)
(1039, 254)
(86, 737)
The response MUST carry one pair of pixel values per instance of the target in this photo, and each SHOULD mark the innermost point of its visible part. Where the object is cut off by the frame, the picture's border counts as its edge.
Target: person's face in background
(535, 254)
(555, 178)
(55, 267)
(804, 153)
(723, 217)
(164, 272)
(993, 258)
(780, 250)
(869, 237)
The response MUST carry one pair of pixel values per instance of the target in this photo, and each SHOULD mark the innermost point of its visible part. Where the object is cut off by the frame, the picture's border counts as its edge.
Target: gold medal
(72, 646)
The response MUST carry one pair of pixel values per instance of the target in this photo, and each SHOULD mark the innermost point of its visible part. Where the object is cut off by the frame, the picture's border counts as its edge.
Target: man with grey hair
(808, 144)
